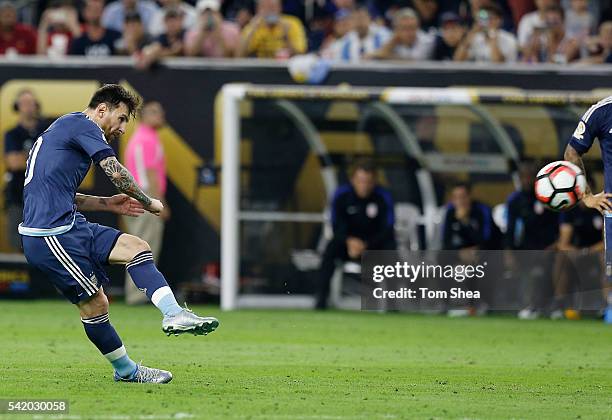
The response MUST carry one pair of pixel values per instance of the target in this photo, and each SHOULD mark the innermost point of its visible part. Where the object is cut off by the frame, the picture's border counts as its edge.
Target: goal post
(378, 103)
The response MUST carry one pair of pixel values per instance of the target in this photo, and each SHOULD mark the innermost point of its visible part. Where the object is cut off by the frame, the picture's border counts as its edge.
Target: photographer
(486, 41)
(212, 36)
(168, 44)
(58, 26)
(550, 43)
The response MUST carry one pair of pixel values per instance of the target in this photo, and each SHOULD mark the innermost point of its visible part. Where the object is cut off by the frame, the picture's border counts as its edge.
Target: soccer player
(597, 123)
(58, 240)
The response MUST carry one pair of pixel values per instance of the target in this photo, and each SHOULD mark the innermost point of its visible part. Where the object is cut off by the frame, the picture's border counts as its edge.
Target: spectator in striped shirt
(364, 40)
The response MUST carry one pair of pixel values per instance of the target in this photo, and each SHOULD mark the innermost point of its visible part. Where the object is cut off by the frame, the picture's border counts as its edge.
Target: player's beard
(114, 136)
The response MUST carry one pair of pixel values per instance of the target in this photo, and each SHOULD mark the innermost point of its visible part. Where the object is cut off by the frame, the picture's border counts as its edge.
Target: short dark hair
(462, 184)
(361, 7)
(556, 8)
(145, 105)
(6, 4)
(364, 164)
(132, 17)
(493, 9)
(113, 95)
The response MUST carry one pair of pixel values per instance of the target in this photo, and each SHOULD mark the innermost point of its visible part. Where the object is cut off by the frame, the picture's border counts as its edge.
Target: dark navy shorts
(608, 244)
(74, 260)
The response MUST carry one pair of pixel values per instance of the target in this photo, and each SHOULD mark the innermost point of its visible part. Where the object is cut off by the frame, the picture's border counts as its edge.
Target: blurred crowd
(528, 31)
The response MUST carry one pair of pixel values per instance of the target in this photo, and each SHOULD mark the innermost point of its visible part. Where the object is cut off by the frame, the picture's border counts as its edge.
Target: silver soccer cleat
(188, 322)
(147, 375)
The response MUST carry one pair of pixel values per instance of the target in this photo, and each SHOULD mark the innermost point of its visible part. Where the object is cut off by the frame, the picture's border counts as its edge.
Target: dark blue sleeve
(390, 207)
(567, 217)
(386, 222)
(12, 143)
(94, 144)
(589, 127)
(511, 217)
(446, 227)
(338, 214)
(487, 222)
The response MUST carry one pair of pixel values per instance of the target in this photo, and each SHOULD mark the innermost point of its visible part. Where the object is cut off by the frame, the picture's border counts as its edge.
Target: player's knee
(141, 246)
(138, 246)
(97, 305)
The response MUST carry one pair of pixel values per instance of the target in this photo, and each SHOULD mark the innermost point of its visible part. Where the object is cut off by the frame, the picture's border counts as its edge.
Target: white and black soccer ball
(560, 185)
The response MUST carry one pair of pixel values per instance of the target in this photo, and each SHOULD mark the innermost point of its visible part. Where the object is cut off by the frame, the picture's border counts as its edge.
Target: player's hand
(155, 207)
(165, 214)
(355, 247)
(599, 201)
(125, 205)
(565, 247)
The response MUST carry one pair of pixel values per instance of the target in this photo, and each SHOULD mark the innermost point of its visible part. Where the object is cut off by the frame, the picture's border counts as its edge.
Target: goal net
(285, 150)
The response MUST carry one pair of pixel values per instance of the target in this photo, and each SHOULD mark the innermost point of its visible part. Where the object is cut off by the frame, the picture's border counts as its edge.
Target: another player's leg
(136, 254)
(94, 316)
(608, 265)
(335, 250)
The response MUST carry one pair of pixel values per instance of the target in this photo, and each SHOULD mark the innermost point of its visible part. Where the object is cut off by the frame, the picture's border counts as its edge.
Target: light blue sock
(100, 331)
(124, 366)
(148, 279)
(165, 301)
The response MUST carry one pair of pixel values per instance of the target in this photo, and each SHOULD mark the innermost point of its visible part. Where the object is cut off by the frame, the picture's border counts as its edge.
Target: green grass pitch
(306, 365)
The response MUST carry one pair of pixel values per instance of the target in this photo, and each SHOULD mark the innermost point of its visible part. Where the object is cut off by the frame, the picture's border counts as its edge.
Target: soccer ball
(560, 185)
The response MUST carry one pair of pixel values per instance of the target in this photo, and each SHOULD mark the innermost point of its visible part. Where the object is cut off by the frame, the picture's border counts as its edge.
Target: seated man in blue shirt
(362, 218)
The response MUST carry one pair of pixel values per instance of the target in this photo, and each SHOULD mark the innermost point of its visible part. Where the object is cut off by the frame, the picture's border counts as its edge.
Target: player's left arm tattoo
(90, 202)
(123, 179)
(601, 201)
(572, 155)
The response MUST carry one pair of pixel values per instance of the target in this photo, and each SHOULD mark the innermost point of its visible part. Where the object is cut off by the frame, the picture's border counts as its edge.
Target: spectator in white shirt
(408, 41)
(189, 13)
(579, 22)
(486, 42)
(364, 39)
(531, 21)
(114, 13)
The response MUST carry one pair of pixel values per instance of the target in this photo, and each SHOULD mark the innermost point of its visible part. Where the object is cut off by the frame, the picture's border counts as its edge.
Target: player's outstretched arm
(124, 181)
(572, 155)
(121, 204)
(599, 201)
